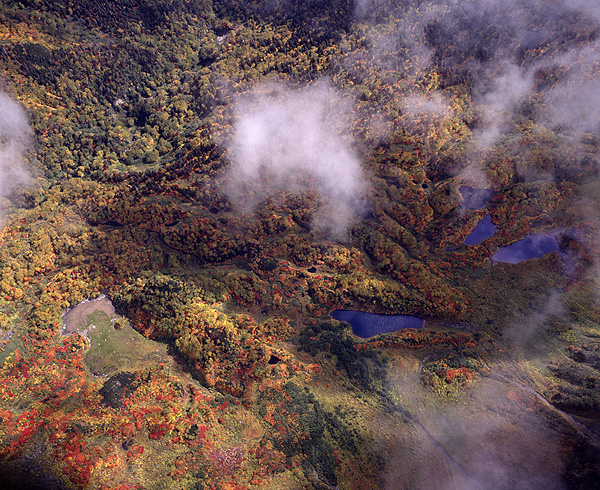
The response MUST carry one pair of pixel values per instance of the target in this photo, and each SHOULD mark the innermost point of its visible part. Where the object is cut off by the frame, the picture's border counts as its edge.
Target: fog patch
(587, 7)
(15, 139)
(293, 141)
(508, 86)
(433, 105)
(573, 104)
(424, 114)
(498, 437)
(578, 110)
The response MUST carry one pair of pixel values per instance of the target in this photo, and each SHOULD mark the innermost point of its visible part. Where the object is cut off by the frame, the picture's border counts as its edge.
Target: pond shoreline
(366, 325)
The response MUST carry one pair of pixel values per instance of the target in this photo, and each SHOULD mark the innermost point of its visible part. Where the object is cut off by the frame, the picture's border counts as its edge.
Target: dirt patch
(5, 336)
(75, 319)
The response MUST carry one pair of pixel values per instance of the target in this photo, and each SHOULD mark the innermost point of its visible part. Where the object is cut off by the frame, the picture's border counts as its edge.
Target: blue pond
(484, 229)
(474, 198)
(367, 325)
(530, 247)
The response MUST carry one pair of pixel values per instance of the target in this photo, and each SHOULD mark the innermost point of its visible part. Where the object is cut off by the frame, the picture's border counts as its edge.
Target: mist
(587, 7)
(531, 67)
(573, 104)
(492, 441)
(502, 433)
(291, 141)
(498, 49)
(434, 107)
(15, 139)
(508, 85)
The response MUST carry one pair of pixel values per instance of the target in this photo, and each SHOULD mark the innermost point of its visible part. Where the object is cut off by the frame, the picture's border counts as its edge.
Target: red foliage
(135, 452)
(462, 372)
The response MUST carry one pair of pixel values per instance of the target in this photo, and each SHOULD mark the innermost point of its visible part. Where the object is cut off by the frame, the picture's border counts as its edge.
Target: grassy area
(114, 345)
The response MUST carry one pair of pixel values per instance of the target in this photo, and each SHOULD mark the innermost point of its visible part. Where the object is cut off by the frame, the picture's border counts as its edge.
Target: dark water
(474, 198)
(533, 39)
(484, 230)
(530, 247)
(367, 325)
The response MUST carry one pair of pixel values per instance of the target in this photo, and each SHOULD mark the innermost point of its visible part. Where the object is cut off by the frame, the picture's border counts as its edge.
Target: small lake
(530, 247)
(484, 230)
(475, 198)
(367, 325)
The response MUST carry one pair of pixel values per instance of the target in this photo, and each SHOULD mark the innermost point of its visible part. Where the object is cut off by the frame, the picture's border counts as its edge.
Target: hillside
(189, 189)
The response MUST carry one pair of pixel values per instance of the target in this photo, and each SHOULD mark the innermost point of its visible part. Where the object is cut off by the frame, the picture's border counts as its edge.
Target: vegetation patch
(114, 345)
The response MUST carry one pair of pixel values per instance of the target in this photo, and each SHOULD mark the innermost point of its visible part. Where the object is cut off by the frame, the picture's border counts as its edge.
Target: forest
(225, 174)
